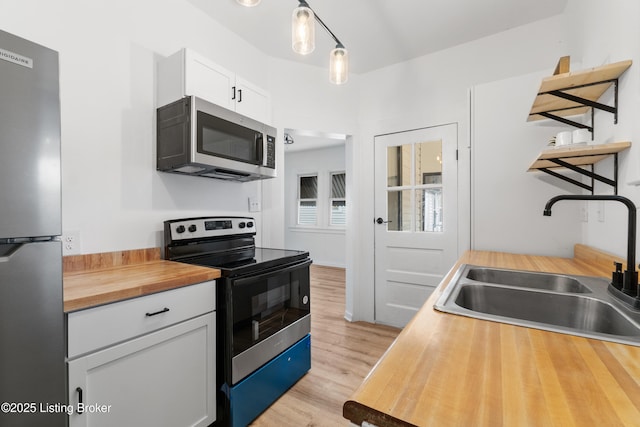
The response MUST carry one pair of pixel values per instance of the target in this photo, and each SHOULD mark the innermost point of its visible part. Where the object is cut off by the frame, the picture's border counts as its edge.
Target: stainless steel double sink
(575, 305)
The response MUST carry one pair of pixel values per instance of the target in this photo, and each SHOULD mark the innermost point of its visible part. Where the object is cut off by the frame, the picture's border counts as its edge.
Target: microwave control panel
(271, 152)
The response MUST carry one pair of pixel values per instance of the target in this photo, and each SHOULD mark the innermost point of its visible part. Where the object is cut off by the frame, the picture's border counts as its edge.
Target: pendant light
(303, 29)
(339, 65)
(303, 41)
(249, 3)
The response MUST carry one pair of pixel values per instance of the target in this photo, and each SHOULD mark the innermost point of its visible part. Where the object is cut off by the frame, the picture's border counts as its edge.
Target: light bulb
(303, 30)
(339, 65)
(248, 3)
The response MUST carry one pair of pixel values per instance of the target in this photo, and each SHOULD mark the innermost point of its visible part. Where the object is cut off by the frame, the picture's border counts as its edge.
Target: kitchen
(109, 53)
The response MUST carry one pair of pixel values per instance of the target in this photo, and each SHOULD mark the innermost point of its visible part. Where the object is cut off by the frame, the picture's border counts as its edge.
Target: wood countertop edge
(98, 286)
(422, 390)
(358, 413)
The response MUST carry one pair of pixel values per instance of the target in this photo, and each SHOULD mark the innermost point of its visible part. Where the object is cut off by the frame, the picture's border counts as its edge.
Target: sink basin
(551, 282)
(576, 305)
(586, 314)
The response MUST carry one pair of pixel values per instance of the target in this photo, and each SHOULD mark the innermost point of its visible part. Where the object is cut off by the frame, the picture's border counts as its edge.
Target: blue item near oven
(250, 397)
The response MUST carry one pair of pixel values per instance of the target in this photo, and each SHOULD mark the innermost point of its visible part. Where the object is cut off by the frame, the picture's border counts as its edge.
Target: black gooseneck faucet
(630, 280)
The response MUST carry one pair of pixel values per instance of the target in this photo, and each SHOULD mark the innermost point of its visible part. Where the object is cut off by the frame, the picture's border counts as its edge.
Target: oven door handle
(276, 270)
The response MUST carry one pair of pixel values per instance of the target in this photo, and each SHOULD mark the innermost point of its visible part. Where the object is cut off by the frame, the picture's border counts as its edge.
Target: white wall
(112, 193)
(303, 99)
(606, 32)
(428, 91)
(326, 245)
(507, 201)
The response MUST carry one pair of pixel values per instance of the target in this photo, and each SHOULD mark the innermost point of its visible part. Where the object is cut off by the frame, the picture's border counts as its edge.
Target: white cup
(580, 135)
(563, 138)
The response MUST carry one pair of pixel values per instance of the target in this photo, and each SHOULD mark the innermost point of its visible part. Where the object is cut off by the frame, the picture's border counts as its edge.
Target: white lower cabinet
(163, 378)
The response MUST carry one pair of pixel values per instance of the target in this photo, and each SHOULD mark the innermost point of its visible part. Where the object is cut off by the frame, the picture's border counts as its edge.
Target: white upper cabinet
(187, 73)
(251, 101)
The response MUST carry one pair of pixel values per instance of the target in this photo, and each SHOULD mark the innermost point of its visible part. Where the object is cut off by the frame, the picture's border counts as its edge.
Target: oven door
(268, 312)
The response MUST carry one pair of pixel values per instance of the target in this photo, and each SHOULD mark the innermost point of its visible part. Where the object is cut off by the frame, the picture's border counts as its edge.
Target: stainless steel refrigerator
(32, 337)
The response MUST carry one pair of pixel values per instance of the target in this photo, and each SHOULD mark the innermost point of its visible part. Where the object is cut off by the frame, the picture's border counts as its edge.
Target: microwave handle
(263, 153)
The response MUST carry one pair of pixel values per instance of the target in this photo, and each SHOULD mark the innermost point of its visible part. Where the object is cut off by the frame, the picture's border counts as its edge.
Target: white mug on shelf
(580, 136)
(563, 138)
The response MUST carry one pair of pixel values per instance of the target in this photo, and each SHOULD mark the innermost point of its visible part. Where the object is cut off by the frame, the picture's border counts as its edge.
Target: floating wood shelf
(574, 157)
(573, 93)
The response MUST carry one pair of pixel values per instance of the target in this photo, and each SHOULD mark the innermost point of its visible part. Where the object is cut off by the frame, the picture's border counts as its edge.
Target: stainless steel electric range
(263, 306)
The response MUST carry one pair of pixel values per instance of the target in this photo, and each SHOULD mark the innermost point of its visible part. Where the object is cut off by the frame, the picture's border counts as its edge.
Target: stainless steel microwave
(196, 137)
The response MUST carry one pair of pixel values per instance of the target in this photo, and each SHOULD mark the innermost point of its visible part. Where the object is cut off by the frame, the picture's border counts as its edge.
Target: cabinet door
(252, 101)
(166, 378)
(208, 80)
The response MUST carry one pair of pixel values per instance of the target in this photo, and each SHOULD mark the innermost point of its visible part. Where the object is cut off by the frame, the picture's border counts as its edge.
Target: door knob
(381, 221)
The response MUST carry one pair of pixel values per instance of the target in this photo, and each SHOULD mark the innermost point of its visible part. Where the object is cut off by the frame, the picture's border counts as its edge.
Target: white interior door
(416, 218)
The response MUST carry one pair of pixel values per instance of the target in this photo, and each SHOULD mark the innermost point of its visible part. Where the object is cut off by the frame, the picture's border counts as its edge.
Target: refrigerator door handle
(7, 250)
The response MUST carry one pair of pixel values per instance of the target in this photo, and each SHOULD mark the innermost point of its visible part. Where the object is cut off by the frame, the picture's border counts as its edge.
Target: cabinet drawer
(98, 327)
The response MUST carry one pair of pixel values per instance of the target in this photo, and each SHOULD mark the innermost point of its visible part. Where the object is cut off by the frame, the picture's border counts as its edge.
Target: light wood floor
(342, 354)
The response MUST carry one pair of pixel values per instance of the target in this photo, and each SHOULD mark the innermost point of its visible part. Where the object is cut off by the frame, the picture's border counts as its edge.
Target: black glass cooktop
(263, 259)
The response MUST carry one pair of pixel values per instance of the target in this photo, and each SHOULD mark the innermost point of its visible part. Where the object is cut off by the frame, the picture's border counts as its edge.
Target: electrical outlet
(71, 243)
(600, 210)
(584, 213)
(254, 205)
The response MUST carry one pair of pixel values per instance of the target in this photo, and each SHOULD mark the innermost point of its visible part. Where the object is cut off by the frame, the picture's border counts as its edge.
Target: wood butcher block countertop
(448, 370)
(96, 279)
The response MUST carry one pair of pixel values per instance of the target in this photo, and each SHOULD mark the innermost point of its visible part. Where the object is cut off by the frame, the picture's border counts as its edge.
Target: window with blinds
(337, 202)
(308, 200)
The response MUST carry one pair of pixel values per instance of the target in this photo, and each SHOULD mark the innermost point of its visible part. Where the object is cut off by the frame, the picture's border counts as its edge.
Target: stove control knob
(250, 224)
(192, 228)
(180, 229)
(242, 225)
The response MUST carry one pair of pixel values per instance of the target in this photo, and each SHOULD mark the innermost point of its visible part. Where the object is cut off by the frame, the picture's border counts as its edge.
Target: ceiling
(301, 140)
(377, 33)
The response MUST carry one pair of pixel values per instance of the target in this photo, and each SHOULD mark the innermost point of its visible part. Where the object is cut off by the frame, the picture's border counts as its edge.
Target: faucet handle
(618, 266)
(617, 278)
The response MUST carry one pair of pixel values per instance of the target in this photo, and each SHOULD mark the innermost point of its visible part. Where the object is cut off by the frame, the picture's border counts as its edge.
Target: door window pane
(399, 165)
(429, 209)
(428, 179)
(428, 161)
(419, 167)
(399, 210)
